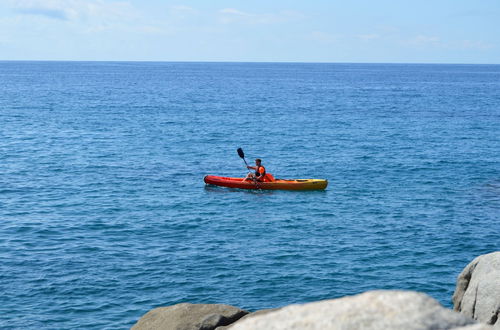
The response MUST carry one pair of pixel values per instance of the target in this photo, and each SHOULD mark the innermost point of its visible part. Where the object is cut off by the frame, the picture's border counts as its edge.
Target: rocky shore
(476, 307)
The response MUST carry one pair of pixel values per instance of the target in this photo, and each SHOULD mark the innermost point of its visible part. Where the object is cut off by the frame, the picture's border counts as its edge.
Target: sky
(366, 31)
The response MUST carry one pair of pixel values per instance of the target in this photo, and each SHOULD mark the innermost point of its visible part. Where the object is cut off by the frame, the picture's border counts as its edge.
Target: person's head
(258, 161)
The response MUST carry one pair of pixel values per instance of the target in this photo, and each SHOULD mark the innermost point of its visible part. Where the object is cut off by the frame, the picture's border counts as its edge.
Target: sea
(104, 214)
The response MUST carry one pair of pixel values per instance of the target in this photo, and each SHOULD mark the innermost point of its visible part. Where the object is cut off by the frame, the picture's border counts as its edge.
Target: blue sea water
(104, 214)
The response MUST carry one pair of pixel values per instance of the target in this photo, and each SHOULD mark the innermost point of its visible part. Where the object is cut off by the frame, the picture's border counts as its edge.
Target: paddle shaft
(246, 163)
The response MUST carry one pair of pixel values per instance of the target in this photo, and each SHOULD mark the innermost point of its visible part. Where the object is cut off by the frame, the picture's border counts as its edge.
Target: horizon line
(250, 62)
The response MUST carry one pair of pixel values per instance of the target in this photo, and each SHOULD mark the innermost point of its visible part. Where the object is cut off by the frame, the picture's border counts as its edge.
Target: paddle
(242, 156)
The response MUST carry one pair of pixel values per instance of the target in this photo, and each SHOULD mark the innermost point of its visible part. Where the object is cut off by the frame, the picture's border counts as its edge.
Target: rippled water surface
(104, 213)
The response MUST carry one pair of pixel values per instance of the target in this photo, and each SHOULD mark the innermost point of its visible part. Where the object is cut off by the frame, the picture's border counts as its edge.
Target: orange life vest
(260, 171)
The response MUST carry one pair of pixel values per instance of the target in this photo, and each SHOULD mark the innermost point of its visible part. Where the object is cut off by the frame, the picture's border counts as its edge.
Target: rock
(384, 310)
(189, 317)
(478, 326)
(261, 312)
(477, 293)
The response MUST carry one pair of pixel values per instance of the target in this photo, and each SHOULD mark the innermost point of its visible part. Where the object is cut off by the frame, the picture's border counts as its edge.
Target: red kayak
(277, 184)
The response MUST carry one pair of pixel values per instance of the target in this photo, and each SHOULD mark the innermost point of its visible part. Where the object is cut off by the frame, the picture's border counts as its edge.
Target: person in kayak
(259, 174)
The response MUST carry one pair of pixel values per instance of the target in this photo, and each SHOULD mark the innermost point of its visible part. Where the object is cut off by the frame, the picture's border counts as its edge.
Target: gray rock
(478, 326)
(189, 317)
(477, 293)
(261, 312)
(384, 310)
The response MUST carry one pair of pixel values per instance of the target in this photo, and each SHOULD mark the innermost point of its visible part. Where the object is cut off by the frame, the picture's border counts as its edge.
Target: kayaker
(260, 171)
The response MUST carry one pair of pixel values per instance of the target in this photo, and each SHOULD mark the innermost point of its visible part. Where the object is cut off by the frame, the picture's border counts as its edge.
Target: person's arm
(252, 167)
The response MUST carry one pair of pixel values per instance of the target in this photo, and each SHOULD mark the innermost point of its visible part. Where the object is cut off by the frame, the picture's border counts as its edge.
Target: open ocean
(104, 214)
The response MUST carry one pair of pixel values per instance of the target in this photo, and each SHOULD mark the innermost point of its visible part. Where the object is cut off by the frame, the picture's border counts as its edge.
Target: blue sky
(438, 31)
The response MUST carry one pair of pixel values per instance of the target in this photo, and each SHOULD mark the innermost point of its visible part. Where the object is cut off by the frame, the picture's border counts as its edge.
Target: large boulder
(477, 293)
(189, 317)
(384, 310)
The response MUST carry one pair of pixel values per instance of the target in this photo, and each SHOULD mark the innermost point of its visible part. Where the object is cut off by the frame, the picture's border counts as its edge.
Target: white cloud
(370, 36)
(424, 40)
(233, 11)
(182, 8)
(233, 15)
(35, 19)
(471, 44)
(322, 37)
(73, 9)
(52, 13)
(182, 12)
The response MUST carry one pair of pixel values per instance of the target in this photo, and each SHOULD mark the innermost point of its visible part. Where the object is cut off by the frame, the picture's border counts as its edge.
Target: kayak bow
(278, 184)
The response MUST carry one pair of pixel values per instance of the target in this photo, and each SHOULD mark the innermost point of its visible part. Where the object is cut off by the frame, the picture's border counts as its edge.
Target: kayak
(278, 184)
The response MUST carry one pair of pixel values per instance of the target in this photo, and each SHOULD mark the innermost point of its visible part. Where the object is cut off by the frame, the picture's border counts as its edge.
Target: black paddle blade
(241, 153)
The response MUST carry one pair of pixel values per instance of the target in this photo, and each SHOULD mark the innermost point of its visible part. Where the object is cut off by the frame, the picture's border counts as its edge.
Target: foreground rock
(477, 293)
(382, 310)
(257, 313)
(189, 317)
